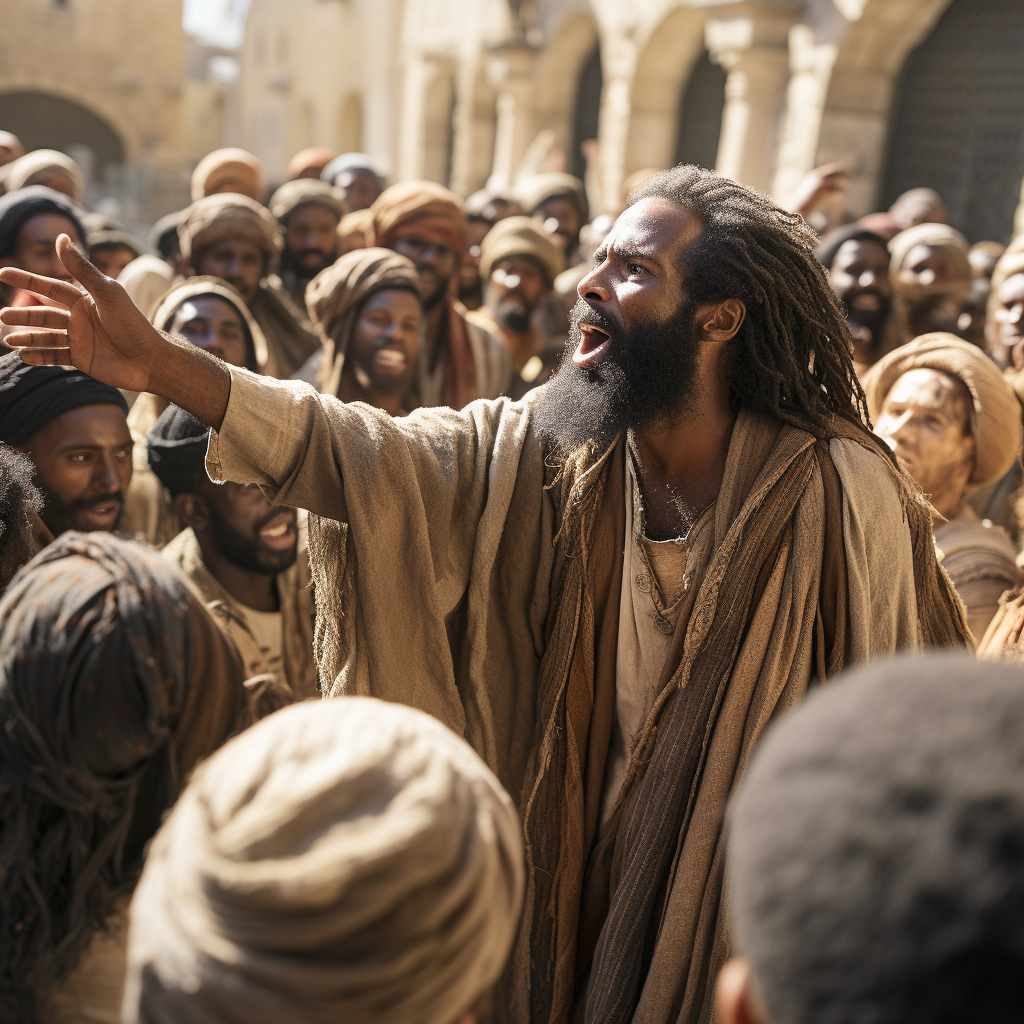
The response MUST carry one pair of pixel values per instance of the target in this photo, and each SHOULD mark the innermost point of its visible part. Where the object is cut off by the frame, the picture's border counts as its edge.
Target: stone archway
(663, 71)
(958, 117)
(45, 121)
(861, 80)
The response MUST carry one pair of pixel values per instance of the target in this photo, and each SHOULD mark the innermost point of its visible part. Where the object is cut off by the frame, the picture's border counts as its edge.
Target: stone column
(510, 70)
(750, 41)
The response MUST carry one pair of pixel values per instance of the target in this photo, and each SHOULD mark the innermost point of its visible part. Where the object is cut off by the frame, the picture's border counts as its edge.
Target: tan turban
(537, 190)
(358, 222)
(419, 207)
(227, 216)
(347, 860)
(996, 415)
(520, 236)
(935, 235)
(315, 159)
(145, 280)
(1009, 264)
(228, 170)
(46, 167)
(335, 296)
(305, 192)
(197, 287)
(10, 148)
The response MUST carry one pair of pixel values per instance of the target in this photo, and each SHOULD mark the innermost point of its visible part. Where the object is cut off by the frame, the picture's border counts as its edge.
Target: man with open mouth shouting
(616, 583)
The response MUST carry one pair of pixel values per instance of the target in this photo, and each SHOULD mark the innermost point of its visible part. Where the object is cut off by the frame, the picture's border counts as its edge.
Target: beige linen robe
(454, 539)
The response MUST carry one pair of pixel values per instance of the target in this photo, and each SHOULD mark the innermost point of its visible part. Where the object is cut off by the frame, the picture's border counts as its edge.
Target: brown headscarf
(194, 288)
(352, 860)
(114, 683)
(358, 222)
(335, 296)
(995, 418)
(315, 159)
(40, 167)
(521, 236)
(428, 209)
(227, 215)
(303, 192)
(419, 207)
(231, 166)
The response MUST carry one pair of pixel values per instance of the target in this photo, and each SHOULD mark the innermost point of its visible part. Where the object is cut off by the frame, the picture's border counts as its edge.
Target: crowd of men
(405, 602)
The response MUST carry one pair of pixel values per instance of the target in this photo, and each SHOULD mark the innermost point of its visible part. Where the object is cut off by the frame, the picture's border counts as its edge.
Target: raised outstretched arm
(102, 332)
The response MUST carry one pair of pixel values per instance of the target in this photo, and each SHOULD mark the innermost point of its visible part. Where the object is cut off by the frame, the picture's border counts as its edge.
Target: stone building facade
(903, 92)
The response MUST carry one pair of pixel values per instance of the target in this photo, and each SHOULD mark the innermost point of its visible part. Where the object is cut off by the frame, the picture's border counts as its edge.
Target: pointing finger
(35, 316)
(60, 291)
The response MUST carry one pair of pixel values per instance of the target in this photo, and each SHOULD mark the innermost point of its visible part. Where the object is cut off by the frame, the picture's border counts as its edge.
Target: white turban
(348, 860)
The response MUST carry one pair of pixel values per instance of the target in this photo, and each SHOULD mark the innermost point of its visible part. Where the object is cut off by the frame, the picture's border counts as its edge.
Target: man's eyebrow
(79, 447)
(636, 252)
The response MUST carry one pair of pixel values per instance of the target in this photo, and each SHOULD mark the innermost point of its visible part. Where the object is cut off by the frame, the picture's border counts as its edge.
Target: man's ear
(192, 510)
(720, 321)
(736, 999)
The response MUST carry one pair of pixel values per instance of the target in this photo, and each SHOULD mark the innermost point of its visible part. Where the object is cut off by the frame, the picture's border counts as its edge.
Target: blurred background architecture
(902, 92)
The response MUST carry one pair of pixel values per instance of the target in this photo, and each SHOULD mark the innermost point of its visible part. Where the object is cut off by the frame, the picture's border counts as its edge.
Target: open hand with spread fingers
(101, 331)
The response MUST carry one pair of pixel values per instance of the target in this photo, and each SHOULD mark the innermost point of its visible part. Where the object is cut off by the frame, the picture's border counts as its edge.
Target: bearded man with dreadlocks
(614, 585)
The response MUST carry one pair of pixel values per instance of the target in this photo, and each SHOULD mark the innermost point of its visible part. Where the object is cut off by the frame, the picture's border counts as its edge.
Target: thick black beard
(872, 319)
(290, 261)
(437, 296)
(60, 517)
(646, 378)
(247, 552)
(511, 315)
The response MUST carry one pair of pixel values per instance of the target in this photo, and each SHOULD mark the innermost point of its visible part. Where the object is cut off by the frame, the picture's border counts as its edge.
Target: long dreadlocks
(793, 356)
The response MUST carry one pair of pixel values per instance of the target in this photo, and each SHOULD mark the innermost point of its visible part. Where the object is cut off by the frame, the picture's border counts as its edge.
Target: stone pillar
(750, 41)
(510, 70)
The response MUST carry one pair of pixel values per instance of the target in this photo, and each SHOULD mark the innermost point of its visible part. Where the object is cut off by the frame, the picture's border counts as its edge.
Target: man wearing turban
(358, 178)
(234, 238)
(228, 170)
(114, 683)
(308, 163)
(368, 310)
(246, 556)
(46, 167)
(75, 431)
(111, 248)
(559, 201)
(308, 211)
(930, 276)
(611, 586)
(460, 361)
(955, 425)
(519, 261)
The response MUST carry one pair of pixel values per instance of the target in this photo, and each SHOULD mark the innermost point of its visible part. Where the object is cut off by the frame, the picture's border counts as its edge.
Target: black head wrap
(176, 448)
(114, 683)
(18, 206)
(876, 848)
(829, 246)
(163, 237)
(31, 396)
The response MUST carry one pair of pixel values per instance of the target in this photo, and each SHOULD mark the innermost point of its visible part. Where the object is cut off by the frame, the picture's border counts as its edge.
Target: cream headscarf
(227, 215)
(236, 168)
(995, 419)
(40, 167)
(351, 860)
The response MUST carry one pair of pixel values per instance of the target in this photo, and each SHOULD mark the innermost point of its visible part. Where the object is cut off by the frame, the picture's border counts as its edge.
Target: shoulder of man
(491, 356)
(184, 552)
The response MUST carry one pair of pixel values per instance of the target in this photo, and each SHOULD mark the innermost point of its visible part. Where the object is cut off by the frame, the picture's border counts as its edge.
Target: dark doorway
(958, 117)
(588, 110)
(700, 114)
(43, 121)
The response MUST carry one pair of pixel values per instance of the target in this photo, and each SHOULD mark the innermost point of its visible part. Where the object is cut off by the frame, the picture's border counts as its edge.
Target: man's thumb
(78, 266)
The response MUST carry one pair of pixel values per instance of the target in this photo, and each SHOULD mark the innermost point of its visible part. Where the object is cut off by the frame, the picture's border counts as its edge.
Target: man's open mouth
(279, 533)
(593, 346)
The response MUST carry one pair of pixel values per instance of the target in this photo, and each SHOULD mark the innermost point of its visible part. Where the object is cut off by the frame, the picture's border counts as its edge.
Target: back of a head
(877, 849)
(792, 356)
(19, 501)
(349, 860)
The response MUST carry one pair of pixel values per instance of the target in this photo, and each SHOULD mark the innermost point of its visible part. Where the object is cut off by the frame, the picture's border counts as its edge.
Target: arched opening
(700, 114)
(958, 117)
(43, 121)
(350, 124)
(587, 111)
(664, 70)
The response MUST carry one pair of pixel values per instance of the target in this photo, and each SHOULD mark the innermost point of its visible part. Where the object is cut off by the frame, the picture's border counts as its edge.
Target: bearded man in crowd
(930, 276)
(358, 178)
(309, 212)
(237, 240)
(955, 425)
(613, 585)
(857, 264)
(111, 247)
(460, 361)
(559, 201)
(49, 168)
(75, 431)
(519, 262)
(242, 553)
